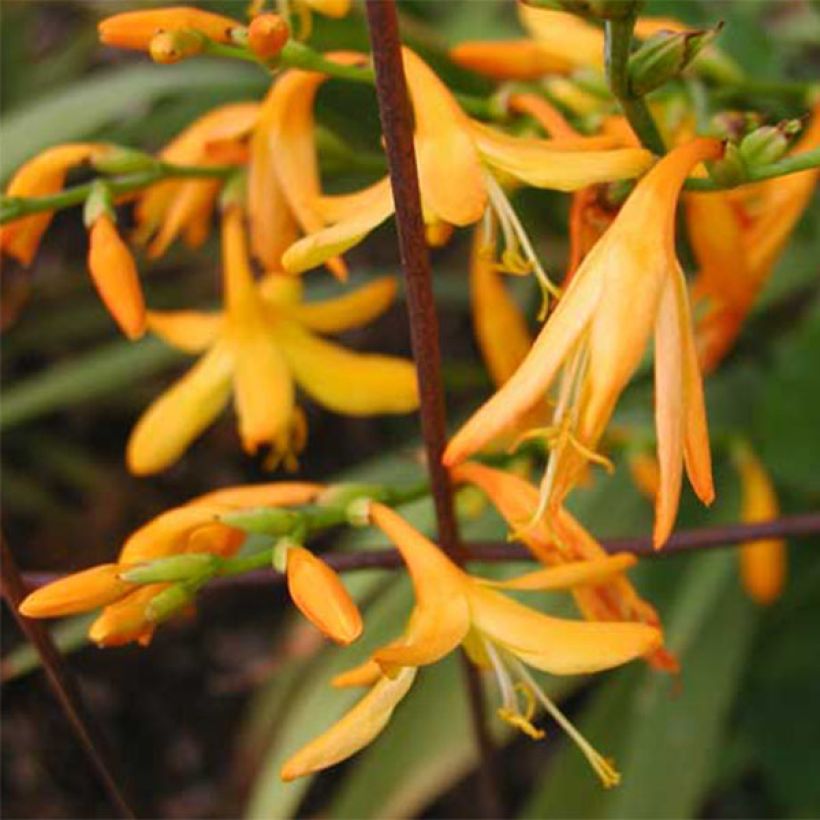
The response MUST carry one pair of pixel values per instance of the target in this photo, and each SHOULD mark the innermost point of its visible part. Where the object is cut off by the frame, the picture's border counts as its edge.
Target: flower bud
(80, 592)
(264, 520)
(122, 160)
(168, 47)
(195, 566)
(321, 597)
(339, 496)
(267, 34)
(730, 170)
(169, 602)
(664, 56)
(768, 143)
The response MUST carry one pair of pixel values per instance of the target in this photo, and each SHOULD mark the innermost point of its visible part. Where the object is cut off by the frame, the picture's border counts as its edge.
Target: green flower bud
(768, 143)
(99, 203)
(664, 56)
(195, 566)
(122, 160)
(169, 602)
(730, 170)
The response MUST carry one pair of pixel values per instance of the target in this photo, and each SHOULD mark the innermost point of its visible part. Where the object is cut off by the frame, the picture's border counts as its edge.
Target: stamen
(509, 711)
(603, 768)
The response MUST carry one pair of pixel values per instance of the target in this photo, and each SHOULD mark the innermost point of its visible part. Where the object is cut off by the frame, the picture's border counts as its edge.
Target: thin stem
(12, 208)
(397, 126)
(805, 161)
(618, 39)
(63, 684)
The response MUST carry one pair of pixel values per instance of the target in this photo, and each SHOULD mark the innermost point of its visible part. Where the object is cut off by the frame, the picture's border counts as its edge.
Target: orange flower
(267, 35)
(321, 597)
(628, 286)
(115, 276)
(183, 207)
(762, 563)
(737, 237)
(264, 341)
(454, 608)
(44, 174)
(135, 29)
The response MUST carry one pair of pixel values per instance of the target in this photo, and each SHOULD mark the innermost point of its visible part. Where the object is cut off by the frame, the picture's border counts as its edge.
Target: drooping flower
(135, 29)
(628, 287)
(184, 207)
(193, 529)
(42, 175)
(561, 540)
(454, 608)
(458, 159)
(737, 237)
(763, 562)
(263, 341)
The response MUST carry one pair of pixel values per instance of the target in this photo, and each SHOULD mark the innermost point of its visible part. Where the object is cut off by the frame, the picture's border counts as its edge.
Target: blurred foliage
(738, 734)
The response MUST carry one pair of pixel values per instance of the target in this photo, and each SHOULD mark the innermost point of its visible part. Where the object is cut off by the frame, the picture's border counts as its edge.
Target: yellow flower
(115, 276)
(629, 286)
(457, 160)
(184, 207)
(44, 174)
(192, 528)
(135, 29)
(762, 563)
(559, 541)
(737, 237)
(263, 341)
(452, 609)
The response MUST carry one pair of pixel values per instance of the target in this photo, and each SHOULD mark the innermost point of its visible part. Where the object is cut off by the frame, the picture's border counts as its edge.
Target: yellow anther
(520, 722)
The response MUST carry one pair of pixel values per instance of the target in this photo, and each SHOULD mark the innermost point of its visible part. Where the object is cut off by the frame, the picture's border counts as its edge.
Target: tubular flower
(453, 608)
(193, 528)
(457, 160)
(559, 43)
(563, 541)
(762, 563)
(263, 341)
(737, 237)
(183, 207)
(629, 286)
(44, 174)
(284, 189)
(135, 29)
(114, 274)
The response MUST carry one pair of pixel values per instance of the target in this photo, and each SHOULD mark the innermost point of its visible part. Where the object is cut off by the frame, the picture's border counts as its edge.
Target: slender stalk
(64, 685)
(397, 126)
(618, 39)
(12, 208)
(788, 165)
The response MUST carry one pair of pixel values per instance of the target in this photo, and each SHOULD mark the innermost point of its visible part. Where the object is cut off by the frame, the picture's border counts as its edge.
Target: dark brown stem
(63, 684)
(397, 126)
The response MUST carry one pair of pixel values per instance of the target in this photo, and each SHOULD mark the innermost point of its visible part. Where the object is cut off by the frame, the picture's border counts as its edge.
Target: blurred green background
(202, 720)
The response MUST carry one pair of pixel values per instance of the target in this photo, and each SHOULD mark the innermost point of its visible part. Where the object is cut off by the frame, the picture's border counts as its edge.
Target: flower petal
(351, 310)
(357, 384)
(508, 59)
(190, 330)
(359, 727)
(275, 494)
(450, 174)
(566, 576)
(556, 645)
(181, 413)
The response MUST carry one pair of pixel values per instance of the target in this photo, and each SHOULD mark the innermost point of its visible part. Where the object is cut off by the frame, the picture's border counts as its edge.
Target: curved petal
(365, 674)
(567, 576)
(555, 645)
(508, 59)
(316, 248)
(192, 199)
(357, 384)
(351, 310)
(564, 36)
(360, 726)
(566, 165)
(450, 174)
(179, 415)
(190, 330)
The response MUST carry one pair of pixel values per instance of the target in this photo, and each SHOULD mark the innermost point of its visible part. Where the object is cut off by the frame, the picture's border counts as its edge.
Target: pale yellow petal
(359, 727)
(351, 310)
(179, 415)
(190, 330)
(566, 576)
(357, 384)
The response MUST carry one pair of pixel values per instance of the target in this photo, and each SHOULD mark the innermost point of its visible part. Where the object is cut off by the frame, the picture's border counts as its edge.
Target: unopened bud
(267, 35)
(193, 566)
(169, 602)
(358, 512)
(122, 160)
(664, 56)
(730, 170)
(167, 47)
(99, 203)
(264, 520)
(339, 496)
(768, 143)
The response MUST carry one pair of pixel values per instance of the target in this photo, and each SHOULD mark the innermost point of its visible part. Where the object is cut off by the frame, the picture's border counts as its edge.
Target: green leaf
(80, 110)
(664, 733)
